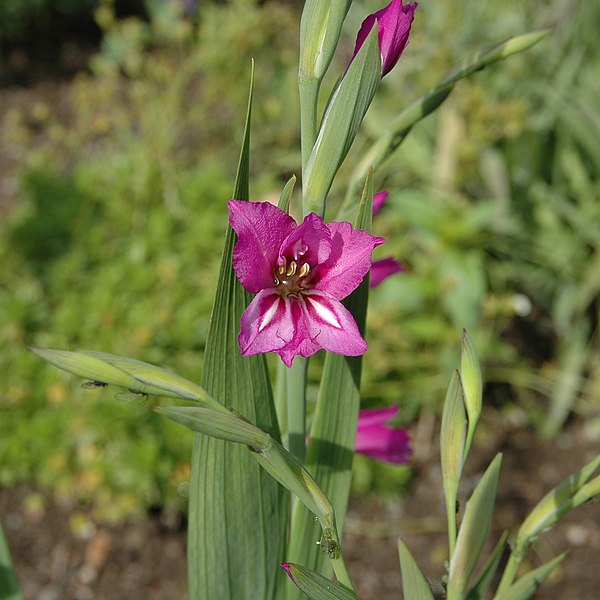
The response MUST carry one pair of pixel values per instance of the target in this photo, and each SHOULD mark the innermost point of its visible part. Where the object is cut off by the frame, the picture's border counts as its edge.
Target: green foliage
(113, 245)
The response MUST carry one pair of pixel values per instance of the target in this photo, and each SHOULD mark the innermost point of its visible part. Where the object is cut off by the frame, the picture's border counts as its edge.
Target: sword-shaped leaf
(237, 511)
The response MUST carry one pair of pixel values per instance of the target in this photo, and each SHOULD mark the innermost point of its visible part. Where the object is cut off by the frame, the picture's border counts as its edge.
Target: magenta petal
(331, 325)
(309, 243)
(394, 22)
(393, 28)
(302, 343)
(376, 440)
(267, 324)
(261, 229)
(385, 444)
(349, 261)
(379, 199)
(376, 416)
(381, 269)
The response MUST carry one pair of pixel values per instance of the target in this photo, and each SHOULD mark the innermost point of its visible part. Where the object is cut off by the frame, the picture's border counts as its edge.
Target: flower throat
(291, 279)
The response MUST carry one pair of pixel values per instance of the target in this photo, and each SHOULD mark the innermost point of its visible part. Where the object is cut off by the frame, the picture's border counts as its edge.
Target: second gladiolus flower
(299, 274)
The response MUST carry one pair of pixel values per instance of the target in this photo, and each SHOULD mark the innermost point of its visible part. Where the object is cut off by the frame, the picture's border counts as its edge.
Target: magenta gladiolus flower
(381, 269)
(375, 439)
(393, 27)
(379, 199)
(299, 274)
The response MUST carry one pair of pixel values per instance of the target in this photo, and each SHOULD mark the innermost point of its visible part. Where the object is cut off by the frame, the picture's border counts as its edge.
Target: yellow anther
(291, 269)
(281, 270)
(304, 270)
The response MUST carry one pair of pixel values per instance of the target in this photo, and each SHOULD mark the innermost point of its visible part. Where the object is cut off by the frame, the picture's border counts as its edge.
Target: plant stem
(309, 96)
(510, 571)
(281, 403)
(296, 407)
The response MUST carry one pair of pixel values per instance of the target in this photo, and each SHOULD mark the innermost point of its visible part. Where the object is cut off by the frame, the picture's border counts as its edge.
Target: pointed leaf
(224, 426)
(414, 584)
(452, 442)
(155, 380)
(286, 194)
(315, 586)
(228, 559)
(470, 376)
(473, 531)
(484, 580)
(85, 366)
(528, 584)
(556, 503)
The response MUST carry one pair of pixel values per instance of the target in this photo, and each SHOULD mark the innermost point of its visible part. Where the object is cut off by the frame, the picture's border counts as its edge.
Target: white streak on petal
(269, 314)
(324, 312)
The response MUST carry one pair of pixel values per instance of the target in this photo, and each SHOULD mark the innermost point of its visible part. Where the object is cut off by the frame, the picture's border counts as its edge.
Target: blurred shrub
(497, 227)
(115, 239)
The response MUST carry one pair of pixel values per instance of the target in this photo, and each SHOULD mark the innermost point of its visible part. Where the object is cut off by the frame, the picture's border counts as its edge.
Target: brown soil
(61, 553)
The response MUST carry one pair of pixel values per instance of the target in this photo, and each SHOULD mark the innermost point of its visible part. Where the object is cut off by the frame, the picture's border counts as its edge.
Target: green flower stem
(510, 571)
(281, 402)
(286, 469)
(309, 96)
(296, 407)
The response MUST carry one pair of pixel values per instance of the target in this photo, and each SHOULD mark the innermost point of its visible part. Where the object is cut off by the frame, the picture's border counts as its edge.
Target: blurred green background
(113, 210)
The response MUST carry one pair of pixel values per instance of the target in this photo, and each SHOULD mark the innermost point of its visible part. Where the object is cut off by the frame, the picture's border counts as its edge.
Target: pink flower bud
(393, 27)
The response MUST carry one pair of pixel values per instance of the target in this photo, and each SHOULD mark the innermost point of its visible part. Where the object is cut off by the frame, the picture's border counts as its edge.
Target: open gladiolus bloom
(299, 273)
(376, 439)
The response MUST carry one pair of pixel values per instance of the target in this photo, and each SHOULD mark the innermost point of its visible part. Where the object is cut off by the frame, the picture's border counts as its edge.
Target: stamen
(304, 270)
(291, 269)
(281, 270)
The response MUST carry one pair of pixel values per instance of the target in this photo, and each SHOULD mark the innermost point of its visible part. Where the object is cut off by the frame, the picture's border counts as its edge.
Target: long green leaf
(9, 585)
(315, 586)
(528, 584)
(484, 579)
(237, 511)
(414, 584)
(333, 432)
(452, 443)
(473, 531)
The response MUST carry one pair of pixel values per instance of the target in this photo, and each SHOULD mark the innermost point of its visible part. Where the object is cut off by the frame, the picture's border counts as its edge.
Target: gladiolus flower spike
(299, 274)
(393, 28)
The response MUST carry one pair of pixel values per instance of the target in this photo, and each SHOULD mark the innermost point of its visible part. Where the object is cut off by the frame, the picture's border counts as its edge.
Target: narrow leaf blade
(315, 586)
(228, 490)
(414, 584)
(473, 530)
(484, 580)
(528, 584)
